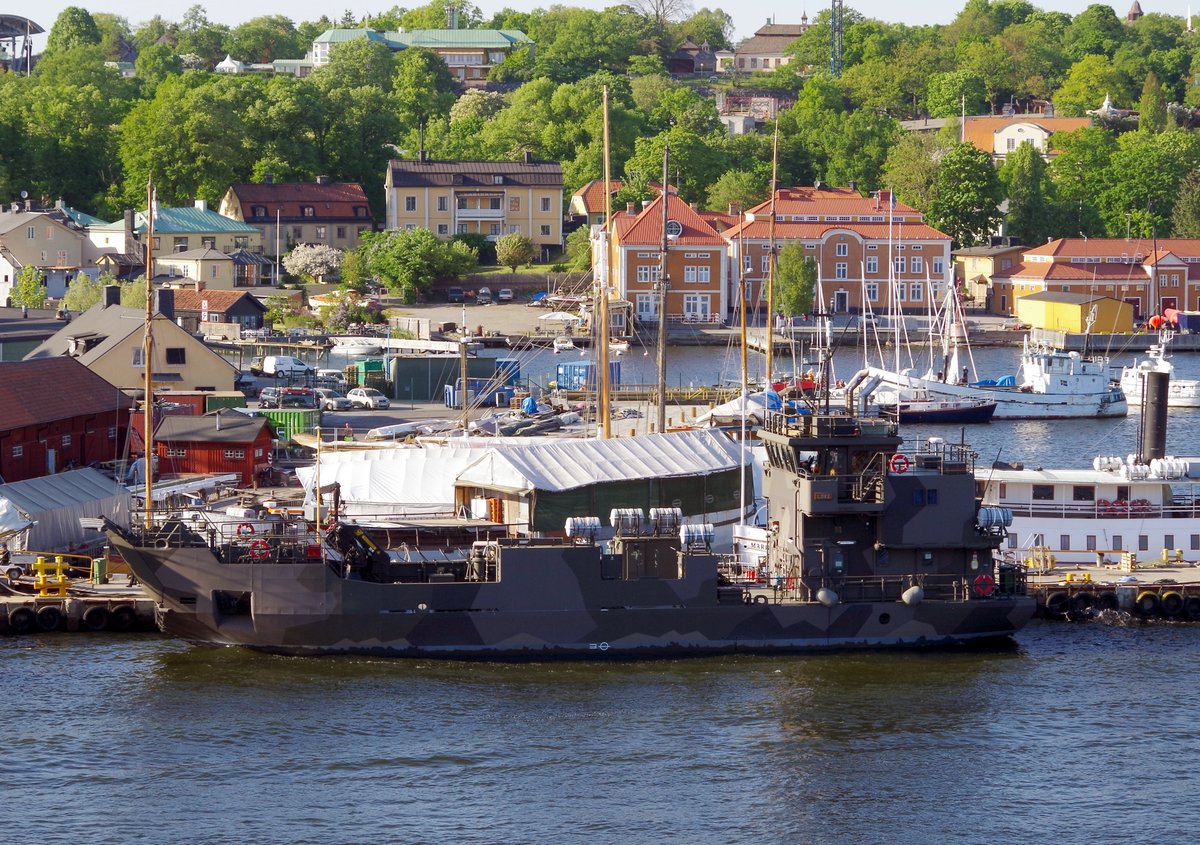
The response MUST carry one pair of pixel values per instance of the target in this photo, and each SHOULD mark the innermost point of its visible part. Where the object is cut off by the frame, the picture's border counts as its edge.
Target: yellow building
(1069, 312)
(489, 198)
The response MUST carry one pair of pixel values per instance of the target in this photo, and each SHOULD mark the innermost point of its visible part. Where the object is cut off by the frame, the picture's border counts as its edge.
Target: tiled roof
(202, 254)
(1061, 271)
(771, 39)
(218, 300)
(825, 202)
(56, 388)
(223, 426)
(1063, 296)
(760, 230)
(647, 226)
(410, 173)
(592, 194)
(181, 221)
(334, 200)
(979, 131)
(1114, 247)
(433, 39)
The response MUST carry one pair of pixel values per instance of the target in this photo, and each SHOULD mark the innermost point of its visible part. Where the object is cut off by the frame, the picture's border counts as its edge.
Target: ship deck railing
(1135, 509)
(1010, 579)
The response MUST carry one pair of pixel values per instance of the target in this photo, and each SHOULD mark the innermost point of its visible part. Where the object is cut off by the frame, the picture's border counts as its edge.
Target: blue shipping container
(581, 375)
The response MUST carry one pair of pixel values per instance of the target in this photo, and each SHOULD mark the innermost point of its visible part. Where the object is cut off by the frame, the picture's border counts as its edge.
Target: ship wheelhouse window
(1123, 492)
(1143, 543)
(1117, 543)
(1012, 539)
(1043, 492)
(1064, 541)
(1168, 541)
(1090, 542)
(1083, 493)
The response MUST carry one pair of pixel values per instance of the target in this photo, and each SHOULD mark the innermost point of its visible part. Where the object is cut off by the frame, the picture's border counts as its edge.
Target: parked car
(331, 400)
(279, 365)
(288, 397)
(455, 295)
(484, 296)
(504, 295)
(367, 397)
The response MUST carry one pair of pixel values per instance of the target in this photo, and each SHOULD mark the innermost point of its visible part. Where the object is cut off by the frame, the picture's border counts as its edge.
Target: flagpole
(147, 357)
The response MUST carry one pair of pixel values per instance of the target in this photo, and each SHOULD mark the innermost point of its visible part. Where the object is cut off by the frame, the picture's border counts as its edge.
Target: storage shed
(1068, 312)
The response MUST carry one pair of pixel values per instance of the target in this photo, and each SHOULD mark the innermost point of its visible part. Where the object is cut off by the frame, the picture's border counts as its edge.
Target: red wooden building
(56, 413)
(223, 441)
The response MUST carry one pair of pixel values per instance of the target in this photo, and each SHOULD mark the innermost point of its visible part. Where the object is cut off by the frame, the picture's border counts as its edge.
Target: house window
(19, 450)
(443, 229)
(546, 204)
(180, 244)
(258, 211)
(514, 203)
(234, 454)
(696, 274)
(901, 292)
(176, 356)
(216, 271)
(341, 233)
(462, 228)
(1143, 543)
(321, 233)
(766, 263)
(307, 211)
(208, 243)
(494, 203)
(112, 432)
(914, 291)
(841, 270)
(841, 250)
(410, 203)
(648, 273)
(545, 231)
(873, 291)
(918, 264)
(873, 264)
(1168, 541)
(938, 266)
(514, 229)
(175, 452)
(443, 203)
(297, 233)
(241, 242)
(674, 228)
(66, 440)
(360, 211)
(497, 180)
(1090, 542)
(1064, 541)
(493, 228)
(137, 356)
(900, 263)
(31, 233)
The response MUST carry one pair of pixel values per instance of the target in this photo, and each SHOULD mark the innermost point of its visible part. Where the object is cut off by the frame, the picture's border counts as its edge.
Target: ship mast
(663, 280)
(771, 257)
(147, 352)
(601, 309)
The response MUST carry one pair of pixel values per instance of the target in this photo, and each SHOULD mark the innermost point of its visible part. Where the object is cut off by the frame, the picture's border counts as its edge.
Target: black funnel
(1152, 434)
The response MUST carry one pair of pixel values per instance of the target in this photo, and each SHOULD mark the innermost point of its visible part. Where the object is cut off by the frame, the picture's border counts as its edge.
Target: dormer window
(258, 211)
(498, 180)
(307, 211)
(674, 229)
(360, 211)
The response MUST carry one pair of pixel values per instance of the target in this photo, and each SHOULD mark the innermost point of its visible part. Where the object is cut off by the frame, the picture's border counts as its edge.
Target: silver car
(367, 397)
(331, 400)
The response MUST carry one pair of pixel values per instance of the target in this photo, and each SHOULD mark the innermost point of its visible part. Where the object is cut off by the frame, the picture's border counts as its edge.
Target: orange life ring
(1119, 507)
(899, 463)
(984, 584)
(1103, 505)
(259, 550)
(1140, 506)
(245, 529)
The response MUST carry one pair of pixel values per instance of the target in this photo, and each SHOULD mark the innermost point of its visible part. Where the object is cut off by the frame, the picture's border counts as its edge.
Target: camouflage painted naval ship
(868, 546)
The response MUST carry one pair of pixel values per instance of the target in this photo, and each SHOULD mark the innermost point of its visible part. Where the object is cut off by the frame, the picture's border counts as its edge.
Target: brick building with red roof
(853, 239)
(57, 413)
(291, 213)
(697, 266)
(1120, 268)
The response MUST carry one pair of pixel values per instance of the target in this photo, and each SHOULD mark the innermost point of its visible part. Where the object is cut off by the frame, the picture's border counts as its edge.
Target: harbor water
(1080, 734)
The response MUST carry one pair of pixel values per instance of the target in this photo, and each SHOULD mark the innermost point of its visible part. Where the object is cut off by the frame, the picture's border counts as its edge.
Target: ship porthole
(885, 618)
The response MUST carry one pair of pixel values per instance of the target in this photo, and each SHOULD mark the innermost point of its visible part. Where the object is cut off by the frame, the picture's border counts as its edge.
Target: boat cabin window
(1195, 542)
(1090, 542)
(1123, 492)
(1064, 541)
(1043, 492)
(1116, 542)
(1003, 490)
(1012, 539)
(1143, 543)
(1083, 493)
(1168, 541)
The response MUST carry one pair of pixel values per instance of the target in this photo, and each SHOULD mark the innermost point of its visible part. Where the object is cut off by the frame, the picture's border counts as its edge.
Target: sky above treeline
(748, 15)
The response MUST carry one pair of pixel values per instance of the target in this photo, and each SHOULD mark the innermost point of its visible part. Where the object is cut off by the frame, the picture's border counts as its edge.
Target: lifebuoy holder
(984, 584)
(245, 530)
(899, 463)
(260, 550)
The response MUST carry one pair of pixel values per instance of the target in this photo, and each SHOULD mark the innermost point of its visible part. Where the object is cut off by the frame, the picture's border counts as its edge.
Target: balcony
(479, 214)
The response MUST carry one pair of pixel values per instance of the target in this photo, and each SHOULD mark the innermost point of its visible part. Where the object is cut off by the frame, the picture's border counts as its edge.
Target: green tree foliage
(795, 280)
(154, 63)
(409, 261)
(514, 250)
(423, 88)
(967, 194)
(573, 43)
(945, 93)
(313, 262)
(475, 103)
(1143, 180)
(1090, 80)
(266, 38)
(911, 167)
(713, 27)
(1152, 108)
(436, 15)
(1185, 217)
(72, 28)
(357, 64)
(1094, 32)
(694, 162)
(1078, 173)
(742, 188)
(133, 293)
(517, 66)
(83, 292)
(29, 288)
(578, 250)
(115, 35)
(201, 37)
(1026, 185)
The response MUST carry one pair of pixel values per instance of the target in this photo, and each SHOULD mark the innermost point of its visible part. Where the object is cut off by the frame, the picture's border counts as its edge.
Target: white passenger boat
(1181, 393)
(563, 343)
(356, 346)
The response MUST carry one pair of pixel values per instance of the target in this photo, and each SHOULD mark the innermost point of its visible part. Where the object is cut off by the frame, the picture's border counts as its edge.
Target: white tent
(560, 317)
(44, 512)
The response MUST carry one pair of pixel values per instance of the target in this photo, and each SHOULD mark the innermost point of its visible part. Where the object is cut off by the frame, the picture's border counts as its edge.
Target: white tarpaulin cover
(55, 503)
(555, 465)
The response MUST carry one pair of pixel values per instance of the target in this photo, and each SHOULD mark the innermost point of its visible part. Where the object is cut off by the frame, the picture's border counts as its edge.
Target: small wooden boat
(935, 409)
(563, 344)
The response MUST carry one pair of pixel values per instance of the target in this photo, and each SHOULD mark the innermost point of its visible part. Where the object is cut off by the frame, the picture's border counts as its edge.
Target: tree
(1094, 31)
(795, 280)
(707, 26)
(742, 188)
(313, 261)
(911, 167)
(1079, 173)
(968, 191)
(436, 15)
(945, 92)
(1089, 81)
(84, 291)
(1143, 180)
(133, 293)
(73, 27)
(514, 250)
(578, 250)
(29, 291)
(264, 39)
(424, 88)
(1029, 208)
(1185, 217)
(475, 103)
(1152, 108)
(408, 261)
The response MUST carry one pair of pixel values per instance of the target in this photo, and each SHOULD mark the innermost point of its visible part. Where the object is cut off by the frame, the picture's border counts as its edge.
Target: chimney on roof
(528, 157)
(322, 180)
(128, 228)
(268, 179)
(629, 206)
(422, 155)
(164, 302)
(202, 205)
(735, 208)
(819, 186)
(112, 295)
(59, 204)
(854, 185)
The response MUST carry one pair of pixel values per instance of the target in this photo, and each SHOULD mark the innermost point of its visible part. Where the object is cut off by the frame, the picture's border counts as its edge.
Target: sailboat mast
(147, 358)
(602, 283)
(662, 303)
(771, 256)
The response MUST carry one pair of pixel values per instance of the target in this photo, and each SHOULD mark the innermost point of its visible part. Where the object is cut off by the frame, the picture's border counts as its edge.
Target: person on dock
(347, 433)
(5, 557)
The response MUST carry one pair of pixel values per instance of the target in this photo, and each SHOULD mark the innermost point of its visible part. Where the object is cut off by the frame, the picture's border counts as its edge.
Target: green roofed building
(469, 53)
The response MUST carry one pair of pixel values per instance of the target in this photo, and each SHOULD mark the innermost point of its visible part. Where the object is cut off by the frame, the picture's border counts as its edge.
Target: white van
(279, 365)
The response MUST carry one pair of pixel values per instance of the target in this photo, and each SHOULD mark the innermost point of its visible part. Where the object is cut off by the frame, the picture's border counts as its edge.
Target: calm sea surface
(1078, 734)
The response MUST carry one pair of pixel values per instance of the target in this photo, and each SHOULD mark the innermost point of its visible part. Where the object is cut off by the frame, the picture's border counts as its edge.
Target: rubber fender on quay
(122, 617)
(1171, 603)
(20, 620)
(1107, 600)
(1082, 601)
(95, 618)
(1191, 608)
(49, 618)
(1146, 603)
(1058, 603)
(761, 599)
